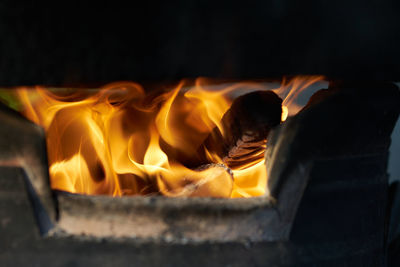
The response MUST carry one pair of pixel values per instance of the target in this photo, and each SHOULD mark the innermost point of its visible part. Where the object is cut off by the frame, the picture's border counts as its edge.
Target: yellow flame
(119, 141)
(215, 104)
(290, 90)
(155, 158)
(285, 113)
(248, 182)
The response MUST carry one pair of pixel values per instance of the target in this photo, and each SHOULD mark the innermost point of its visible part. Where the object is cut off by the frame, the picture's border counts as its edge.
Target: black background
(71, 43)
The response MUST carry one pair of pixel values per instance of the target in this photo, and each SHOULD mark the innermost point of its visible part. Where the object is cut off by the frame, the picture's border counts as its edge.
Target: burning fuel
(120, 141)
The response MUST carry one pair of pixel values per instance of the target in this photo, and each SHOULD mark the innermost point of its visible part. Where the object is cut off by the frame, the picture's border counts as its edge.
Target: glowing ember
(119, 141)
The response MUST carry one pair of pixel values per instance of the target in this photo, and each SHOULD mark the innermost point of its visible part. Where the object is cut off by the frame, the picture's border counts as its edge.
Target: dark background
(69, 43)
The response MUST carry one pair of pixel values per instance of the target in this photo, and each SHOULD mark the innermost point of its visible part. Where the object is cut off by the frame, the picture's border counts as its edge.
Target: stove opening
(199, 139)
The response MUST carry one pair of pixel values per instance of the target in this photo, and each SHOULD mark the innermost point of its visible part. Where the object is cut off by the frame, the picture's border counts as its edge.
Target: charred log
(245, 127)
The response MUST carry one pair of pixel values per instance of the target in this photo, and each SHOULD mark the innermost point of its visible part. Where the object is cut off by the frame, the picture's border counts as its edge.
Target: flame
(290, 90)
(285, 113)
(120, 141)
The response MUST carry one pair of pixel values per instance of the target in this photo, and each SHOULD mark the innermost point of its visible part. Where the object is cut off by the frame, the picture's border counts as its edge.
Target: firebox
(203, 146)
(234, 199)
(113, 152)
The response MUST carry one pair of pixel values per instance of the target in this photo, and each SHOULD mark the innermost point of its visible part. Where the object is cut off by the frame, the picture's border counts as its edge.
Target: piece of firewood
(245, 129)
(210, 180)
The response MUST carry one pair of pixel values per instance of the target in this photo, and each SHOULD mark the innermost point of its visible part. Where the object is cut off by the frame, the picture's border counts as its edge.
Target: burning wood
(245, 127)
(210, 180)
(120, 141)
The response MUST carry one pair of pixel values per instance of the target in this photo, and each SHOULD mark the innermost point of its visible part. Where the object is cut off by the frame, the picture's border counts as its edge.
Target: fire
(120, 141)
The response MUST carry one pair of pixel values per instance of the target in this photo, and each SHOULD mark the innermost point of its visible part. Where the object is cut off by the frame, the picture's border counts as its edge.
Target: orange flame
(290, 90)
(118, 141)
